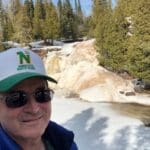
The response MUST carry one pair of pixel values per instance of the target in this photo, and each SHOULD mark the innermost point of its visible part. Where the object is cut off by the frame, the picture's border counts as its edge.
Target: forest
(122, 33)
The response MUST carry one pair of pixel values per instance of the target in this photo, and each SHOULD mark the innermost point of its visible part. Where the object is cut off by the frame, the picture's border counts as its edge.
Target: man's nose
(32, 105)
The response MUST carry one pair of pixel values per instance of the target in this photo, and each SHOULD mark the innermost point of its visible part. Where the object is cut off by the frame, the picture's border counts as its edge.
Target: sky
(85, 4)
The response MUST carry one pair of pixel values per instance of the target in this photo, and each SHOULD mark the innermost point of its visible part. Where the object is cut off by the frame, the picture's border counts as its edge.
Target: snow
(67, 48)
(97, 126)
(138, 98)
(13, 44)
(98, 93)
(41, 42)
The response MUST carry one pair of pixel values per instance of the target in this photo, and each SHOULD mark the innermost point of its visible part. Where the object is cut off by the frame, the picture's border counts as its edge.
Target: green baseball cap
(18, 64)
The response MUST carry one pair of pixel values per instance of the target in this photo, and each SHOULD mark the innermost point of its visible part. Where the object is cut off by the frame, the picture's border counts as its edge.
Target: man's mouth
(32, 119)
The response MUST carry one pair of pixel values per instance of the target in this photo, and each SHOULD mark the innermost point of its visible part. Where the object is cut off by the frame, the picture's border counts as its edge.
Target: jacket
(59, 137)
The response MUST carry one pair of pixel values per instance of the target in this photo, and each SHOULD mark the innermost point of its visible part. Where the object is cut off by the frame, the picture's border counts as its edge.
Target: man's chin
(32, 134)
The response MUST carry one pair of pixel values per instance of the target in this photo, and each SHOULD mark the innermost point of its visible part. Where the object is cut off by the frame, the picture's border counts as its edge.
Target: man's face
(30, 120)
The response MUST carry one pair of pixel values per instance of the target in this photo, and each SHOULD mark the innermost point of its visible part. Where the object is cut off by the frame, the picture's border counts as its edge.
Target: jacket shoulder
(6, 142)
(60, 137)
(74, 146)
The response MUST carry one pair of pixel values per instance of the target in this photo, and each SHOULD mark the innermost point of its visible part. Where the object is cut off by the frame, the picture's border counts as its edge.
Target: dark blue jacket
(59, 137)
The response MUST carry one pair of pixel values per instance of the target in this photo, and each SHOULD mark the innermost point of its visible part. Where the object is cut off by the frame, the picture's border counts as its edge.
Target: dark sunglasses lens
(16, 99)
(43, 96)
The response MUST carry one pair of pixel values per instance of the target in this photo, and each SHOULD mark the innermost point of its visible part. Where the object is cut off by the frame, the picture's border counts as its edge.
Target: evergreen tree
(1, 20)
(15, 7)
(30, 10)
(51, 22)
(6, 28)
(69, 27)
(87, 27)
(99, 20)
(1, 46)
(94, 17)
(78, 10)
(115, 45)
(139, 44)
(76, 6)
(39, 16)
(79, 18)
(98, 12)
(111, 34)
(60, 18)
(13, 11)
(23, 32)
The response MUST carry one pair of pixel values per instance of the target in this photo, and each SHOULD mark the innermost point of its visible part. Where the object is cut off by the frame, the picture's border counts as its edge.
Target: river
(104, 126)
(134, 110)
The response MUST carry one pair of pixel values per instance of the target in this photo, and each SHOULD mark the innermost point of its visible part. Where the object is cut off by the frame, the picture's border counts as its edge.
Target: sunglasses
(18, 99)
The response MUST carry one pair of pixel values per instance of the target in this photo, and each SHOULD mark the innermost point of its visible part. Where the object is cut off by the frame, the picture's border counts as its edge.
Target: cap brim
(8, 83)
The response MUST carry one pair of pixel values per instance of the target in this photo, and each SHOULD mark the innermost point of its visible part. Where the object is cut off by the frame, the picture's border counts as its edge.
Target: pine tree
(139, 44)
(86, 32)
(39, 16)
(51, 22)
(94, 17)
(1, 20)
(13, 13)
(69, 27)
(60, 18)
(112, 34)
(79, 12)
(99, 20)
(6, 28)
(76, 6)
(15, 7)
(79, 18)
(23, 30)
(30, 10)
(116, 38)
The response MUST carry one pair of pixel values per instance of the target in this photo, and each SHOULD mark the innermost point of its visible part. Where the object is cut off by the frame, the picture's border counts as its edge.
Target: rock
(121, 92)
(130, 93)
(72, 94)
(52, 64)
(140, 85)
(147, 85)
(83, 51)
(81, 76)
(146, 122)
(78, 74)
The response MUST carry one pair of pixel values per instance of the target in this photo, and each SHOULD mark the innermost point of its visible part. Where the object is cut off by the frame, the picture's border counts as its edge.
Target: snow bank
(98, 126)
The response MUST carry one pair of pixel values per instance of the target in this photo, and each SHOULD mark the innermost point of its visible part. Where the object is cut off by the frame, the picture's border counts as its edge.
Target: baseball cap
(18, 64)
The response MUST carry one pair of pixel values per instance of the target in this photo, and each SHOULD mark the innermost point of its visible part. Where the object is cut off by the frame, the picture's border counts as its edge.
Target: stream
(134, 110)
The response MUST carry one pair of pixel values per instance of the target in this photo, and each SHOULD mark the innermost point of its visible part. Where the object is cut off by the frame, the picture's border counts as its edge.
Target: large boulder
(83, 51)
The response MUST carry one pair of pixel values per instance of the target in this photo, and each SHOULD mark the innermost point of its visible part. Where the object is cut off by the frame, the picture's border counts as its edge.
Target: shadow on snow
(92, 138)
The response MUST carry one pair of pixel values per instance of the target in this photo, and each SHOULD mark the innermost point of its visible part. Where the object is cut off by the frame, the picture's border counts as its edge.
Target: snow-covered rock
(76, 69)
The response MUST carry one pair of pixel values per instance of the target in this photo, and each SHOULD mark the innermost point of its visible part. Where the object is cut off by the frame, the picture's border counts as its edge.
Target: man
(25, 105)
